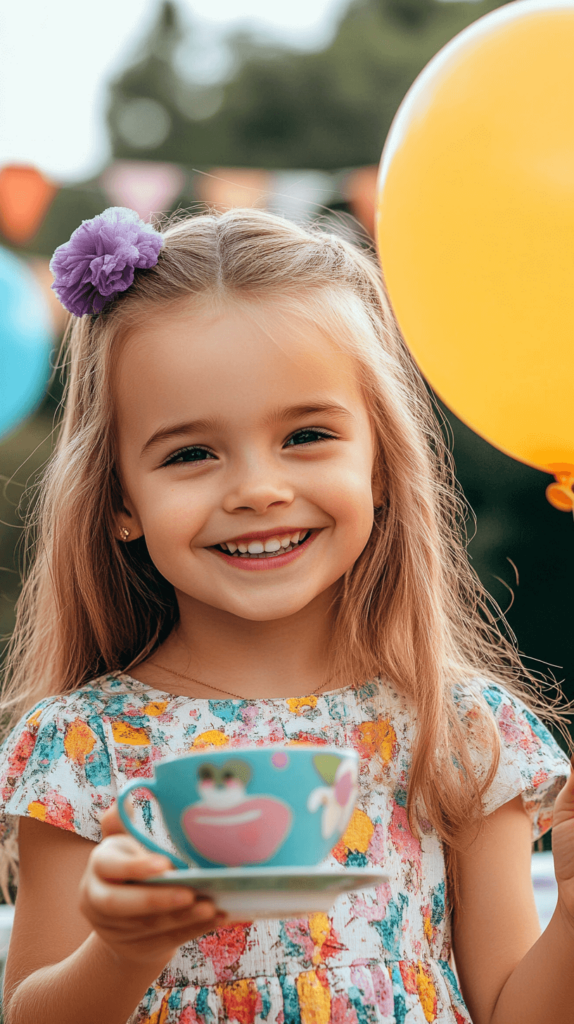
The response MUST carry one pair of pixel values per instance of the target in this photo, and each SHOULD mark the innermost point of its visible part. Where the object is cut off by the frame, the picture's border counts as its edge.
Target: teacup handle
(140, 836)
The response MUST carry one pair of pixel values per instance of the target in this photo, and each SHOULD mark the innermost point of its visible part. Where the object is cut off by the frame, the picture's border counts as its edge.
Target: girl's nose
(256, 489)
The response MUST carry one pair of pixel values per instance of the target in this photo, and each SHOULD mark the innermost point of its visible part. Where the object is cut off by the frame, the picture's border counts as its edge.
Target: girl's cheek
(351, 500)
(182, 510)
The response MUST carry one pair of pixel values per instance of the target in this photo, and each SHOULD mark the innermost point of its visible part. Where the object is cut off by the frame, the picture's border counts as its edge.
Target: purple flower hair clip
(100, 259)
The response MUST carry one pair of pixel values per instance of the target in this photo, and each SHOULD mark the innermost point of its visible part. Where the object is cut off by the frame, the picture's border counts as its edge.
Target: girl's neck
(287, 657)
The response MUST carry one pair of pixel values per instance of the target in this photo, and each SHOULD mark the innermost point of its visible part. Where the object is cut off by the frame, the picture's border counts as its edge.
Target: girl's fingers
(111, 823)
(202, 912)
(564, 805)
(121, 858)
(170, 911)
(181, 936)
(107, 900)
(178, 929)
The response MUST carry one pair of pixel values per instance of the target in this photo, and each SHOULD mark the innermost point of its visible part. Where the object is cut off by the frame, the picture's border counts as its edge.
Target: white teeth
(258, 549)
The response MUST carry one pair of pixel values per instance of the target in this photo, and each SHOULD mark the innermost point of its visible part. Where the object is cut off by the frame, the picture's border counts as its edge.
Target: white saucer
(249, 893)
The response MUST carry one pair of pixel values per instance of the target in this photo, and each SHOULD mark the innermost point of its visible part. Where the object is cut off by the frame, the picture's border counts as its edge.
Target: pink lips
(247, 833)
(259, 564)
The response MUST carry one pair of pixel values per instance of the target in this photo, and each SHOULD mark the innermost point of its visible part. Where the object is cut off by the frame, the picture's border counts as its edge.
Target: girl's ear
(127, 524)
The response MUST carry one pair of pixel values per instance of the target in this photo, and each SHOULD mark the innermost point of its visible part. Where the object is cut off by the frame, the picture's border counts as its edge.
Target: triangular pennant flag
(146, 186)
(228, 187)
(300, 195)
(25, 195)
(360, 189)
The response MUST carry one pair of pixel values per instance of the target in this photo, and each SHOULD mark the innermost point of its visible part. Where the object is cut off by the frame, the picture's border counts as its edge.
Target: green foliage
(522, 549)
(21, 456)
(286, 109)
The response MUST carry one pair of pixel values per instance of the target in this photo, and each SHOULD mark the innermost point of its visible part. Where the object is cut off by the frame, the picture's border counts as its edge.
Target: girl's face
(246, 456)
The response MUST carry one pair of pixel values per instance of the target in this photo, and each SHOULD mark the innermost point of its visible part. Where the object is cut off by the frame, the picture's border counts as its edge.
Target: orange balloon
(475, 227)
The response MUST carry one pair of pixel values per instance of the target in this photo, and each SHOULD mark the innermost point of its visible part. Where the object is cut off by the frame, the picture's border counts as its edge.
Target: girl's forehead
(236, 331)
(235, 358)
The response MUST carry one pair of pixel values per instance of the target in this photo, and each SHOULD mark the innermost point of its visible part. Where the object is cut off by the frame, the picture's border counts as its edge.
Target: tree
(281, 108)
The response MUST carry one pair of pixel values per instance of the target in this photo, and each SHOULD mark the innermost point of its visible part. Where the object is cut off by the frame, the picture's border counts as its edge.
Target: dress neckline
(163, 694)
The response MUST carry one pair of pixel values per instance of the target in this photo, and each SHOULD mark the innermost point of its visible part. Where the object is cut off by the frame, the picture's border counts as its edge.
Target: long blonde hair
(410, 610)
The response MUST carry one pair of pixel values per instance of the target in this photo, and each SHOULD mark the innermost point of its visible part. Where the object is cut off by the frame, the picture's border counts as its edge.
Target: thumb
(110, 822)
(564, 806)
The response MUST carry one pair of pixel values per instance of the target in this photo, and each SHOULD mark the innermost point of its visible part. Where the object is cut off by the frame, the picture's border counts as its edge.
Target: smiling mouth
(240, 818)
(256, 549)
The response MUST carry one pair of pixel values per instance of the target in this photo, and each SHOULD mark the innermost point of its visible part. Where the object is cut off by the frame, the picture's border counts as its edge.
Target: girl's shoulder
(68, 731)
(56, 765)
(531, 764)
(112, 695)
(517, 724)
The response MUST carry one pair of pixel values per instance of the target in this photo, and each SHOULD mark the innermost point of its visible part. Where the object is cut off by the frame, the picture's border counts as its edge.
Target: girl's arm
(509, 972)
(85, 946)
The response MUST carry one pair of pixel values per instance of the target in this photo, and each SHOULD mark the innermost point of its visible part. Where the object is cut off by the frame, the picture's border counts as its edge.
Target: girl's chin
(267, 611)
(267, 607)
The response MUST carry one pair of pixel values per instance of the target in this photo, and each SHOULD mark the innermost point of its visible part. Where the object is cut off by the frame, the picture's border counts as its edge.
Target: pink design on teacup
(280, 760)
(249, 832)
(343, 788)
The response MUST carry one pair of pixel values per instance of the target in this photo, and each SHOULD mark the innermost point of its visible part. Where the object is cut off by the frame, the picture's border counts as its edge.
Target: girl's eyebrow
(292, 412)
(216, 424)
(181, 430)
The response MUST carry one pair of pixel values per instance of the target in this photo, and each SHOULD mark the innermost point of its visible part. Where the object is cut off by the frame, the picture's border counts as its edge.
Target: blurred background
(169, 105)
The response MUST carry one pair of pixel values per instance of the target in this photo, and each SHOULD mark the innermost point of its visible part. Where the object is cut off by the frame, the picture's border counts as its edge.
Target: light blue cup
(275, 806)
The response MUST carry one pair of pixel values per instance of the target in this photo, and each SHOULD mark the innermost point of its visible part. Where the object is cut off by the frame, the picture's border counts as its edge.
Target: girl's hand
(139, 922)
(563, 847)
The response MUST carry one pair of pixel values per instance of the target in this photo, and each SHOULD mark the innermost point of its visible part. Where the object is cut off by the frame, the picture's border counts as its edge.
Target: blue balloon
(25, 342)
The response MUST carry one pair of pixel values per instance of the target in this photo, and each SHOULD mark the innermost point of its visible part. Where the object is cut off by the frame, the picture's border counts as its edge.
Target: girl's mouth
(280, 551)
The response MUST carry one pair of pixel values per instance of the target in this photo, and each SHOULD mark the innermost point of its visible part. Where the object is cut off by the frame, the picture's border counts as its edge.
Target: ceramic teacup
(283, 806)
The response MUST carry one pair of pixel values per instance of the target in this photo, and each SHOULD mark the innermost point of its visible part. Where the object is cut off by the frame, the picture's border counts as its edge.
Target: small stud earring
(124, 533)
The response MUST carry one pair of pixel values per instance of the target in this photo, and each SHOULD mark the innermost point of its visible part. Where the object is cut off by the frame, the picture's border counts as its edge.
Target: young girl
(249, 533)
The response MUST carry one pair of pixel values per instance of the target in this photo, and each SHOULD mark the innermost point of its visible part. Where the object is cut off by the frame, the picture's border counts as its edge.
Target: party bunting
(25, 196)
(146, 186)
(360, 188)
(228, 187)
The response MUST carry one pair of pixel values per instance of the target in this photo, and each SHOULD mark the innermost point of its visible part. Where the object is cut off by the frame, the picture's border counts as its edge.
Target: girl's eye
(191, 454)
(308, 435)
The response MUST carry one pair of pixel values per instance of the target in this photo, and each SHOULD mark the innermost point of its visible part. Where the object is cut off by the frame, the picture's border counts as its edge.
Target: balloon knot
(560, 494)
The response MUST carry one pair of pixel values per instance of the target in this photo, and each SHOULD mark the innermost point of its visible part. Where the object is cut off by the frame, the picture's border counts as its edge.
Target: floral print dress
(383, 956)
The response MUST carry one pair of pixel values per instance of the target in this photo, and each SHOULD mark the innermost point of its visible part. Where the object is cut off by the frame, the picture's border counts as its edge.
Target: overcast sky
(56, 57)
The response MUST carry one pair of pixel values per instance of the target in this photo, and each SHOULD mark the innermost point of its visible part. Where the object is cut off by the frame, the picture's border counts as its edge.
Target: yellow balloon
(475, 227)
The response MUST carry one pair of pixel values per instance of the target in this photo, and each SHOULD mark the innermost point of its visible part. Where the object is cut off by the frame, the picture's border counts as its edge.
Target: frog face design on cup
(230, 826)
(255, 806)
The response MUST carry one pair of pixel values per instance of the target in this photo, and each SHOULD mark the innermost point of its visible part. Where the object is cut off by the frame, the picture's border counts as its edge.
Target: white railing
(545, 888)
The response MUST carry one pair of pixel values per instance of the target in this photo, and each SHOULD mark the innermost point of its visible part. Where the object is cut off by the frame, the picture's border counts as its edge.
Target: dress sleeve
(531, 762)
(55, 766)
